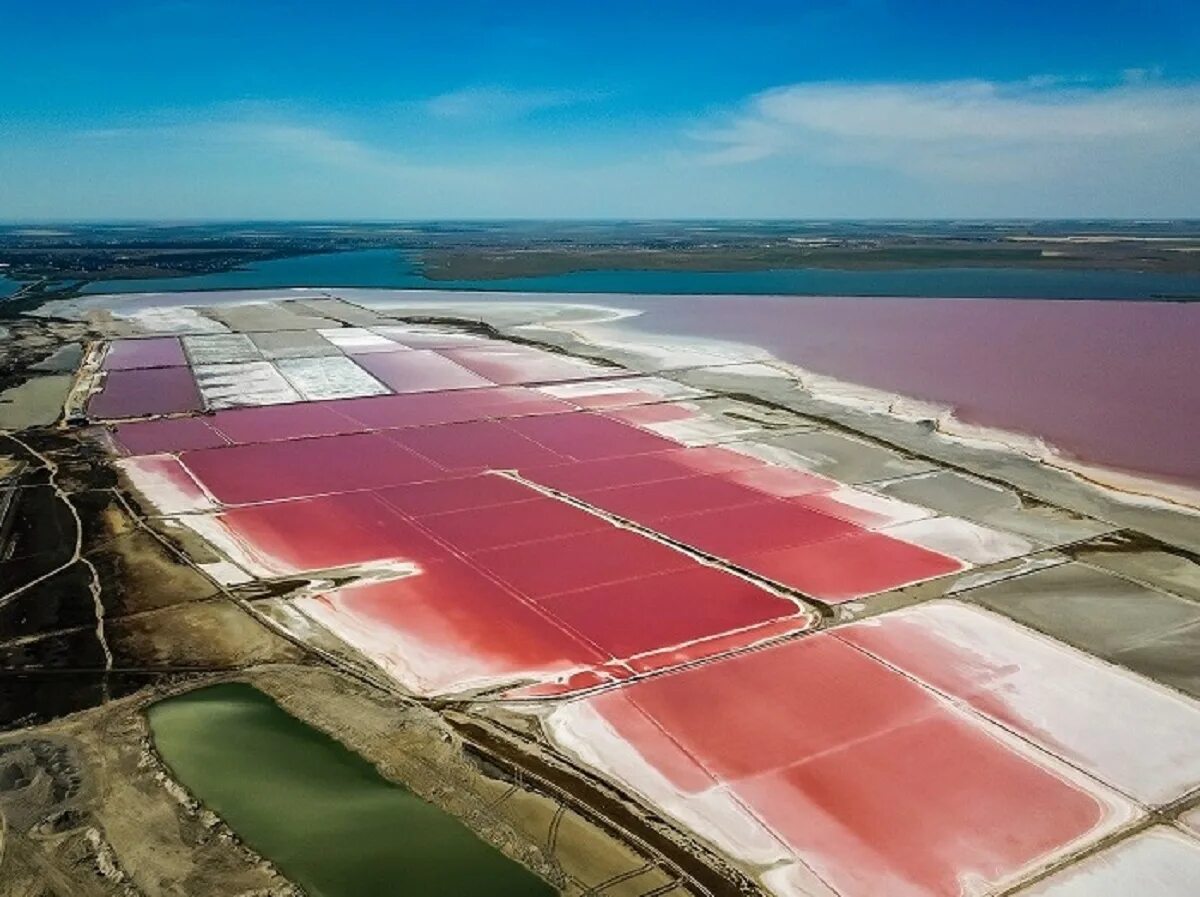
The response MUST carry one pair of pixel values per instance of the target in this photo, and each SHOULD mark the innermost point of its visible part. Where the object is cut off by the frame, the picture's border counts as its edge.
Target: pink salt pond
(257, 472)
(322, 533)
(145, 391)
(1126, 731)
(584, 436)
(478, 444)
(449, 628)
(448, 407)
(834, 763)
(649, 502)
(419, 370)
(513, 364)
(275, 423)
(436, 497)
(148, 437)
(455, 625)
(853, 566)
(152, 352)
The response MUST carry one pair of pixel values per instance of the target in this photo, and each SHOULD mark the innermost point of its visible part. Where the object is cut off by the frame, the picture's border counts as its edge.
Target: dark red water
(1110, 383)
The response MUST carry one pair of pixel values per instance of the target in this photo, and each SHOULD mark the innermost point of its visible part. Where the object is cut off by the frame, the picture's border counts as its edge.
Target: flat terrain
(482, 251)
(521, 572)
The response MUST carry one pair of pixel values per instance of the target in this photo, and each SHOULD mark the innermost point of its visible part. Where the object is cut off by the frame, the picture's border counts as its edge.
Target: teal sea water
(391, 268)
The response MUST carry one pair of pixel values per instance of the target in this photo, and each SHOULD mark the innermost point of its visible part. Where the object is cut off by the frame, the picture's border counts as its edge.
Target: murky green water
(318, 811)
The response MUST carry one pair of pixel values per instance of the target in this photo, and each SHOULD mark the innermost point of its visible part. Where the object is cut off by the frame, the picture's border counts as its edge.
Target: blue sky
(267, 109)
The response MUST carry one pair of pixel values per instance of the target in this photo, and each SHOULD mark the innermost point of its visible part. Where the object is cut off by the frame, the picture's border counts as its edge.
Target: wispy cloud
(263, 129)
(492, 103)
(974, 130)
(1043, 146)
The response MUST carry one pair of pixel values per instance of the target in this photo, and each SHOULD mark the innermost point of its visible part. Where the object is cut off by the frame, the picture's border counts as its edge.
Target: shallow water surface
(319, 812)
(396, 269)
(1110, 383)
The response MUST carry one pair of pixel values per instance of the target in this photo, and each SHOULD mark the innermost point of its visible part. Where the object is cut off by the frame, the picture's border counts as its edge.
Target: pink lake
(1107, 382)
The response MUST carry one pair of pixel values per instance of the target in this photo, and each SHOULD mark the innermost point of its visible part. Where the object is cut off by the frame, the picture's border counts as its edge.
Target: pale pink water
(1111, 383)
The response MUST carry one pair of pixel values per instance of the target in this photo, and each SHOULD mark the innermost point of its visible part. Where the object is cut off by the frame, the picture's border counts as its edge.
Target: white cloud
(966, 130)
(1046, 146)
(497, 103)
(256, 128)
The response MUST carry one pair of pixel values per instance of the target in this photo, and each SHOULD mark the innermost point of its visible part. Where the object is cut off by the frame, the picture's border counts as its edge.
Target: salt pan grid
(885, 789)
(419, 370)
(513, 364)
(358, 340)
(1124, 730)
(934, 750)
(234, 369)
(244, 383)
(327, 532)
(728, 512)
(510, 628)
(221, 348)
(318, 379)
(684, 494)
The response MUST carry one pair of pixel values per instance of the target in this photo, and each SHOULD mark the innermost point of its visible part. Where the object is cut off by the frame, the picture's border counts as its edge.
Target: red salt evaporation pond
(419, 370)
(535, 519)
(659, 413)
(418, 500)
(736, 533)
(1125, 730)
(826, 552)
(872, 781)
(154, 352)
(450, 628)
(853, 566)
(149, 437)
(584, 435)
(577, 478)
(654, 612)
(1100, 380)
(275, 423)
(454, 627)
(449, 407)
(272, 423)
(608, 473)
(650, 502)
(141, 392)
(241, 474)
(477, 444)
(331, 531)
(541, 569)
(513, 364)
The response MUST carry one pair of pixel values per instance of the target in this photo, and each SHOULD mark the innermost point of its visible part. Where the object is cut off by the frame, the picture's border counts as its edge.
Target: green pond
(319, 812)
